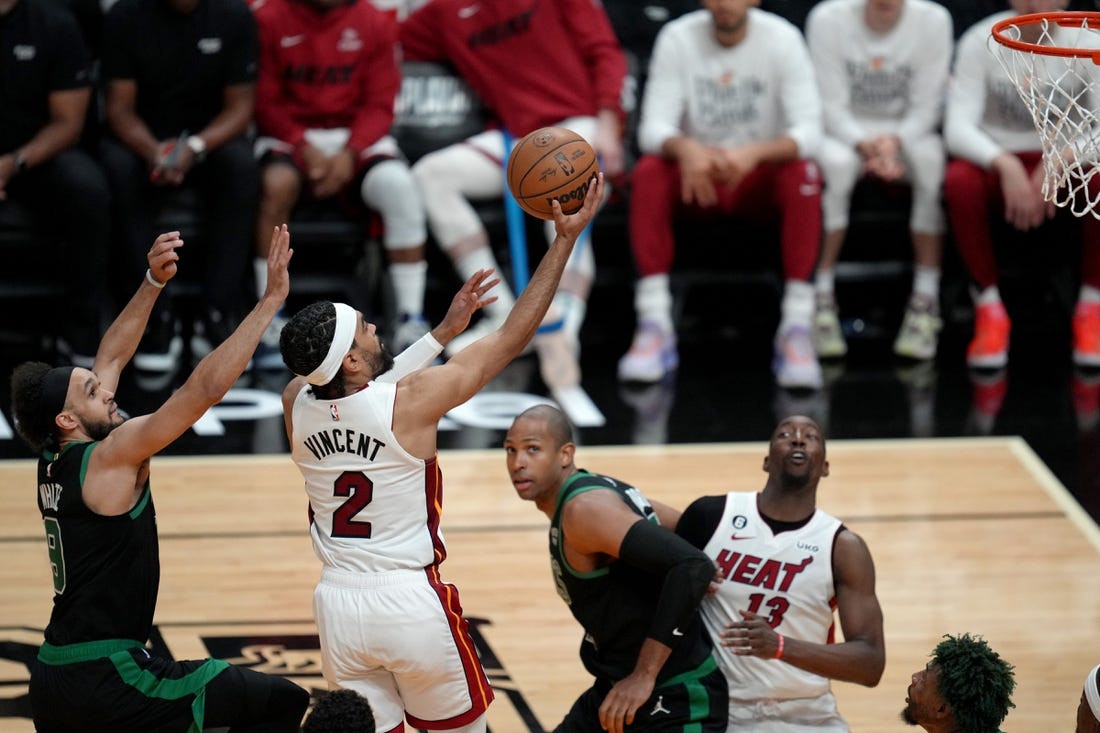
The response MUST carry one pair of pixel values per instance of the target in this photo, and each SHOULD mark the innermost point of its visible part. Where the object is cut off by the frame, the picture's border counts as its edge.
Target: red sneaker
(1086, 335)
(989, 347)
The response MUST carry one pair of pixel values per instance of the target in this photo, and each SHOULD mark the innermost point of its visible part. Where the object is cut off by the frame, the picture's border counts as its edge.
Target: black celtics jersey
(616, 603)
(106, 570)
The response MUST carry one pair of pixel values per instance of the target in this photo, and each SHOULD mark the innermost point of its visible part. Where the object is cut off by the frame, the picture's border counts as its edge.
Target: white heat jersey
(374, 507)
(760, 89)
(874, 82)
(785, 578)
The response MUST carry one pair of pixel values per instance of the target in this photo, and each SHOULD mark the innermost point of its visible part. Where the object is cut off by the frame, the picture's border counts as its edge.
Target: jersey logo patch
(660, 707)
(334, 413)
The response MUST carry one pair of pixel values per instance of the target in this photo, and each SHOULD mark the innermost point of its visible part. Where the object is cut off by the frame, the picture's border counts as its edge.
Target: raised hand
(163, 257)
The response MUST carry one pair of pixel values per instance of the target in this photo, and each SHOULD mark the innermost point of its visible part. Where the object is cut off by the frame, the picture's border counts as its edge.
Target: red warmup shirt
(325, 69)
(533, 62)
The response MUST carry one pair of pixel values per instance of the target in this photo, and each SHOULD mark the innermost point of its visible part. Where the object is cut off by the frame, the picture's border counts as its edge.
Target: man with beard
(784, 565)
(730, 121)
(966, 686)
(632, 584)
(363, 430)
(93, 671)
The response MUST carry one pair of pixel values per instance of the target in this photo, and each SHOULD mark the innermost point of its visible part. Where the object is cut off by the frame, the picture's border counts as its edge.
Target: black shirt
(616, 603)
(41, 51)
(106, 570)
(182, 63)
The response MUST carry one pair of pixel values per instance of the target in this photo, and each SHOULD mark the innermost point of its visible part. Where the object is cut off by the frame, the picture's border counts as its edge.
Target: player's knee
(281, 185)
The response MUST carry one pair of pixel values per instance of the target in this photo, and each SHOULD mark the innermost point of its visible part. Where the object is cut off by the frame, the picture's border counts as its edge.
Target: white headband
(347, 321)
(1091, 693)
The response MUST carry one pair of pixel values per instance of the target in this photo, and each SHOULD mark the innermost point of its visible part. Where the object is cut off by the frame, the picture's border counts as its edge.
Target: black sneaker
(161, 346)
(268, 356)
(78, 346)
(210, 331)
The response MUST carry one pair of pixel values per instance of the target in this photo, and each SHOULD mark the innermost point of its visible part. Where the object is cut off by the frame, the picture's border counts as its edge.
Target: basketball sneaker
(267, 356)
(795, 364)
(652, 355)
(1086, 335)
(989, 347)
(920, 330)
(78, 345)
(209, 331)
(410, 329)
(161, 345)
(828, 337)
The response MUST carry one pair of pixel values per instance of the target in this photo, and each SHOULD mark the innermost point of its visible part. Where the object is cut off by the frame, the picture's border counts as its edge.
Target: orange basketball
(551, 163)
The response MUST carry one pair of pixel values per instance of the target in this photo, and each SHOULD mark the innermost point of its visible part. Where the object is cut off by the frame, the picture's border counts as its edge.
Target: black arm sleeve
(700, 520)
(686, 570)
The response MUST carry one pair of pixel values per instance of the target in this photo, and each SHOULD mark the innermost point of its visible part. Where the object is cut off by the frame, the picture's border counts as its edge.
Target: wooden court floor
(967, 535)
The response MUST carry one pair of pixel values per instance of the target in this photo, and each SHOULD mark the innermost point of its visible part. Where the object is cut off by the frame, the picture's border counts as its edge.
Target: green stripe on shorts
(193, 683)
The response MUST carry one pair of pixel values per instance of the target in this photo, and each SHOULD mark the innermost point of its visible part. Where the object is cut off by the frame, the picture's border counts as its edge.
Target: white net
(1061, 93)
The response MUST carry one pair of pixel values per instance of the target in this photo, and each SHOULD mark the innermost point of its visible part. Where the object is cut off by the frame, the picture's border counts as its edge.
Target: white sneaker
(828, 337)
(919, 332)
(479, 330)
(652, 355)
(410, 330)
(795, 364)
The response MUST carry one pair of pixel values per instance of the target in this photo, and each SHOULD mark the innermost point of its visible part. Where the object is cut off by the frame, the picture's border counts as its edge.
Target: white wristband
(417, 356)
(152, 280)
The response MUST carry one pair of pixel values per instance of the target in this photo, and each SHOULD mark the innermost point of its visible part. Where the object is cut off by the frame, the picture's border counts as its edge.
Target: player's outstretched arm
(123, 336)
(139, 438)
(485, 358)
(598, 524)
(470, 298)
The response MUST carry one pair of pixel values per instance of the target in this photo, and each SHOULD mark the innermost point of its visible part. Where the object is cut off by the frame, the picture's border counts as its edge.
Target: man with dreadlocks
(965, 688)
(365, 443)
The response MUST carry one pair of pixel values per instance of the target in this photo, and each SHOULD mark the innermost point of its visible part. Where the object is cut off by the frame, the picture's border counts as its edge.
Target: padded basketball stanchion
(517, 226)
(516, 222)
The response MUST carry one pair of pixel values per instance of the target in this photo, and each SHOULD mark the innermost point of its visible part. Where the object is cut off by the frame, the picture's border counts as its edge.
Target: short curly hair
(34, 425)
(340, 711)
(975, 681)
(305, 340)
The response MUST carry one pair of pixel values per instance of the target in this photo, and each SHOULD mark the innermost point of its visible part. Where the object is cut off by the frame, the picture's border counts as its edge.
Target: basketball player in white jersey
(785, 566)
(365, 442)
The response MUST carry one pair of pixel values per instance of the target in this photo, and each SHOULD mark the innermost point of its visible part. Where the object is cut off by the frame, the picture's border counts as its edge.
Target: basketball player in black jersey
(634, 586)
(93, 672)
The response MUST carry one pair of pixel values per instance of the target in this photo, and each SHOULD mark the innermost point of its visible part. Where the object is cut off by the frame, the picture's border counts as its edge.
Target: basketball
(551, 163)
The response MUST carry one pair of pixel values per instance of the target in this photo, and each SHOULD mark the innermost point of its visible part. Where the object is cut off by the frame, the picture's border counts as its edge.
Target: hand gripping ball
(551, 163)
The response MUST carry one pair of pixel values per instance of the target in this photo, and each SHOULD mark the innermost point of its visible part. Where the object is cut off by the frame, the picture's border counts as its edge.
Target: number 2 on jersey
(359, 490)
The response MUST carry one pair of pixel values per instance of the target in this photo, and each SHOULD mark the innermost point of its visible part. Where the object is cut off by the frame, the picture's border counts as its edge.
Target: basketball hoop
(1053, 59)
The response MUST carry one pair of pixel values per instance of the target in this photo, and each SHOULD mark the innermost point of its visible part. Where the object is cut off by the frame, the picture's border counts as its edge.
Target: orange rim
(1066, 19)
